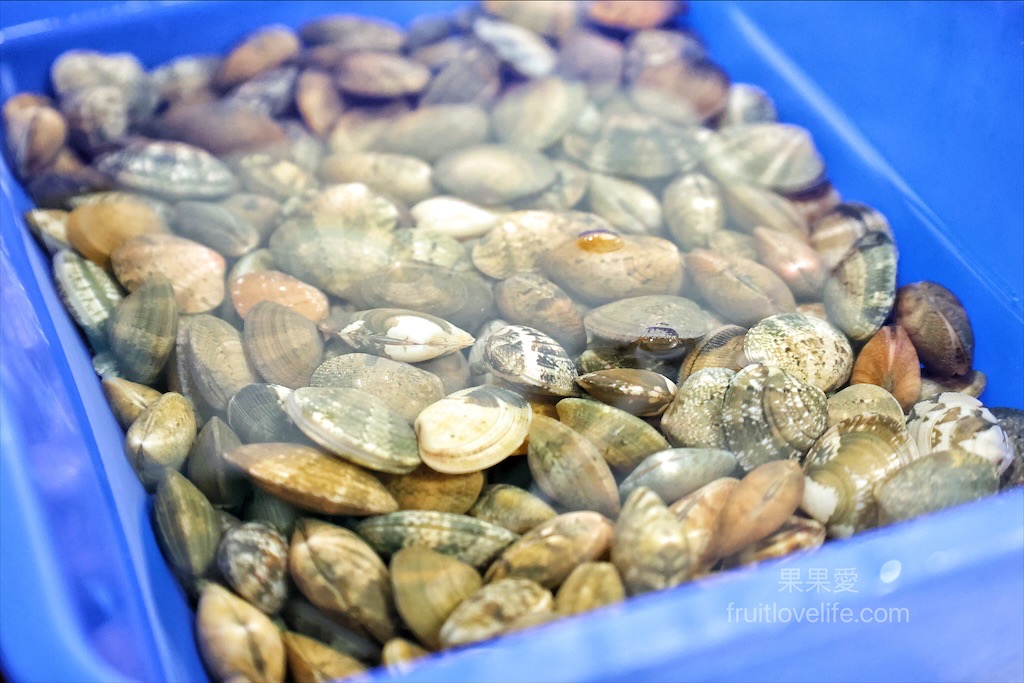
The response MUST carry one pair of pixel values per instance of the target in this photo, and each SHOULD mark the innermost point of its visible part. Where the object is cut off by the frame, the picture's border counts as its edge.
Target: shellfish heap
(424, 335)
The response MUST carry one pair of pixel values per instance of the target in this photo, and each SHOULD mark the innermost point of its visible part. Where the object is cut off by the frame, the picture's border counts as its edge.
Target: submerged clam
(638, 392)
(427, 587)
(623, 440)
(777, 156)
(401, 334)
(531, 359)
(808, 348)
(404, 387)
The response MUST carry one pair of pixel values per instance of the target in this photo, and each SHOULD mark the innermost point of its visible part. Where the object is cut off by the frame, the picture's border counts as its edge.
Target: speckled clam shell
(623, 440)
(401, 334)
(469, 539)
(491, 610)
(427, 587)
(405, 388)
(472, 429)
(88, 292)
(338, 572)
(236, 640)
(639, 392)
(722, 347)
(186, 526)
(769, 414)
(957, 421)
(515, 244)
(846, 464)
(511, 507)
(196, 272)
(589, 586)
(569, 468)
(835, 234)
(529, 358)
(650, 549)
(694, 418)
(311, 479)
(141, 330)
(220, 366)
(537, 113)
(807, 348)
(174, 170)
(426, 489)
(549, 552)
(677, 472)
(284, 346)
(861, 290)
(862, 399)
(693, 209)
(310, 661)
(494, 174)
(777, 156)
(253, 558)
(531, 299)
(633, 145)
(935, 481)
(257, 414)
(160, 438)
(356, 426)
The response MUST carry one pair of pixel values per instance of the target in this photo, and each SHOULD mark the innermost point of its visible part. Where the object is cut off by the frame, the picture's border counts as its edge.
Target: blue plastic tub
(918, 109)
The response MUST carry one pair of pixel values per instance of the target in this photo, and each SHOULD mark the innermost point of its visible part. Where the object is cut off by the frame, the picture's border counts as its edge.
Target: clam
(266, 174)
(429, 133)
(253, 558)
(677, 472)
(972, 384)
(36, 132)
(494, 174)
(938, 326)
(793, 260)
(593, 59)
(632, 145)
(472, 429)
(318, 101)
(346, 205)
(529, 358)
(338, 572)
(775, 156)
(284, 346)
(516, 242)
(651, 549)
(141, 330)
(638, 392)
(553, 18)
(935, 481)
(589, 586)
(215, 226)
(405, 388)
(525, 51)
(629, 207)
(401, 334)
(355, 32)
(257, 53)
(223, 485)
(807, 348)
(425, 489)
(220, 366)
(550, 551)
(862, 399)
(89, 294)
(453, 217)
(722, 347)
(511, 507)
(160, 438)
(890, 360)
(380, 74)
(695, 416)
(196, 272)
(50, 226)
(846, 464)
(623, 440)
(267, 509)
(531, 299)
(403, 177)
(222, 127)
(311, 479)
(741, 290)
(174, 170)
(798, 535)
(127, 399)
(570, 469)
(693, 209)
(186, 526)
(745, 104)
(750, 207)
(236, 640)
(400, 655)
(310, 661)
(759, 505)
(954, 421)
(304, 618)
(700, 514)
(684, 91)
(250, 289)
(861, 290)
(469, 539)
(431, 248)
(97, 230)
(427, 587)
(662, 325)
(537, 113)
(835, 234)
(491, 610)
(257, 414)
(472, 76)
(617, 14)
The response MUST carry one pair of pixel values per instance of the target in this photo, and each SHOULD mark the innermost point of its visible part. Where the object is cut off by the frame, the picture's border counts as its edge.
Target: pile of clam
(425, 335)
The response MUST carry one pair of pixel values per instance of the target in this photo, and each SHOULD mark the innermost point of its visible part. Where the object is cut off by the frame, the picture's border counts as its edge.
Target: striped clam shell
(257, 414)
(141, 330)
(695, 417)
(407, 389)
(861, 290)
(777, 156)
(529, 358)
(220, 366)
(958, 421)
(285, 346)
(623, 440)
(88, 292)
(174, 170)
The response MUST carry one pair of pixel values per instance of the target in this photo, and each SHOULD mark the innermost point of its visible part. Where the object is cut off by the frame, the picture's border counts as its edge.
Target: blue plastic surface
(918, 109)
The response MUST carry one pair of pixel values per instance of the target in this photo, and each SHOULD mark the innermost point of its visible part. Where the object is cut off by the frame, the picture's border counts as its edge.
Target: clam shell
(429, 133)
(196, 272)
(511, 507)
(681, 90)
(431, 248)
(662, 324)
(427, 587)
(470, 77)
(631, 16)
(380, 74)
(141, 330)
(266, 174)
(254, 559)
(554, 18)
(174, 170)
(453, 216)
(957, 421)
(89, 294)
(807, 348)
(750, 207)
(310, 479)
(862, 399)
(318, 101)
(257, 415)
(215, 226)
(221, 127)
(305, 618)
(589, 586)
(797, 535)
(972, 384)
(570, 469)
(835, 234)
(402, 334)
(525, 51)
(628, 206)
(344, 205)
(250, 289)
(260, 51)
(339, 573)
(549, 552)
(469, 539)
(638, 392)
(494, 174)
(472, 429)
(745, 104)
(632, 145)
(267, 509)
(127, 399)
(236, 640)
(310, 661)
(890, 360)
(285, 346)
(405, 388)
(722, 347)
(425, 489)
(355, 32)
(776, 156)
(529, 358)
(220, 366)
(594, 59)
(355, 426)
(516, 243)
(861, 290)
(623, 440)
(97, 230)
(793, 260)
(650, 549)
(935, 481)
(491, 610)
(938, 326)
(160, 438)
(186, 526)
(223, 485)
(400, 176)
(741, 290)
(399, 655)
(537, 113)
(700, 513)
(695, 417)
(50, 226)
(677, 472)
(529, 298)
(761, 503)
(693, 209)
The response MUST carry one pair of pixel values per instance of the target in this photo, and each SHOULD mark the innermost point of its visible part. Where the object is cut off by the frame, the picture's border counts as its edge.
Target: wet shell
(236, 640)
(355, 32)
(798, 535)
(933, 482)
(536, 114)
(516, 243)
(254, 559)
(835, 234)
(793, 260)
(776, 156)
(89, 294)
(258, 52)
(490, 611)
(97, 230)
(549, 552)
(590, 57)
(525, 51)
(431, 248)
(494, 174)
(425, 489)
(127, 399)
(400, 655)
(699, 513)
(251, 289)
(862, 399)
(695, 417)
(844, 467)
(405, 388)
(221, 127)
(677, 472)
(589, 586)
(632, 145)
(638, 392)
(722, 347)
(570, 469)
(693, 209)
(751, 207)
(529, 358)
(403, 177)
(861, 291)
(747, 103)
(347, 205)
(529, 298)
(50, 226)
(174, 170)
(511, 507)
(220, 366)
(284, 346)
(339, 573)
(472, 429)
(629, 15)
(555, 18)
(272, 511)
(429, 133)
(223, 485)
(186, 527)
(742, 290)
(453, 217)
(469, 539)
(427, 587)
(623, 440)
(196, 272)
(310, 661)
(954, 421)
(470, 77)
(160, 438)
(628, 206)
(216, 227)
(402, 335)
(380, 74)
(938, 326)
(890, 361)
(257, 415)
(141, 330)
(661, 324)
(650, 549)
(311, 479)
(759, 505)
(303, 617)
(356, 426)
(972, 384)
(810, 349)
(684, 91)
(1011, 421)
